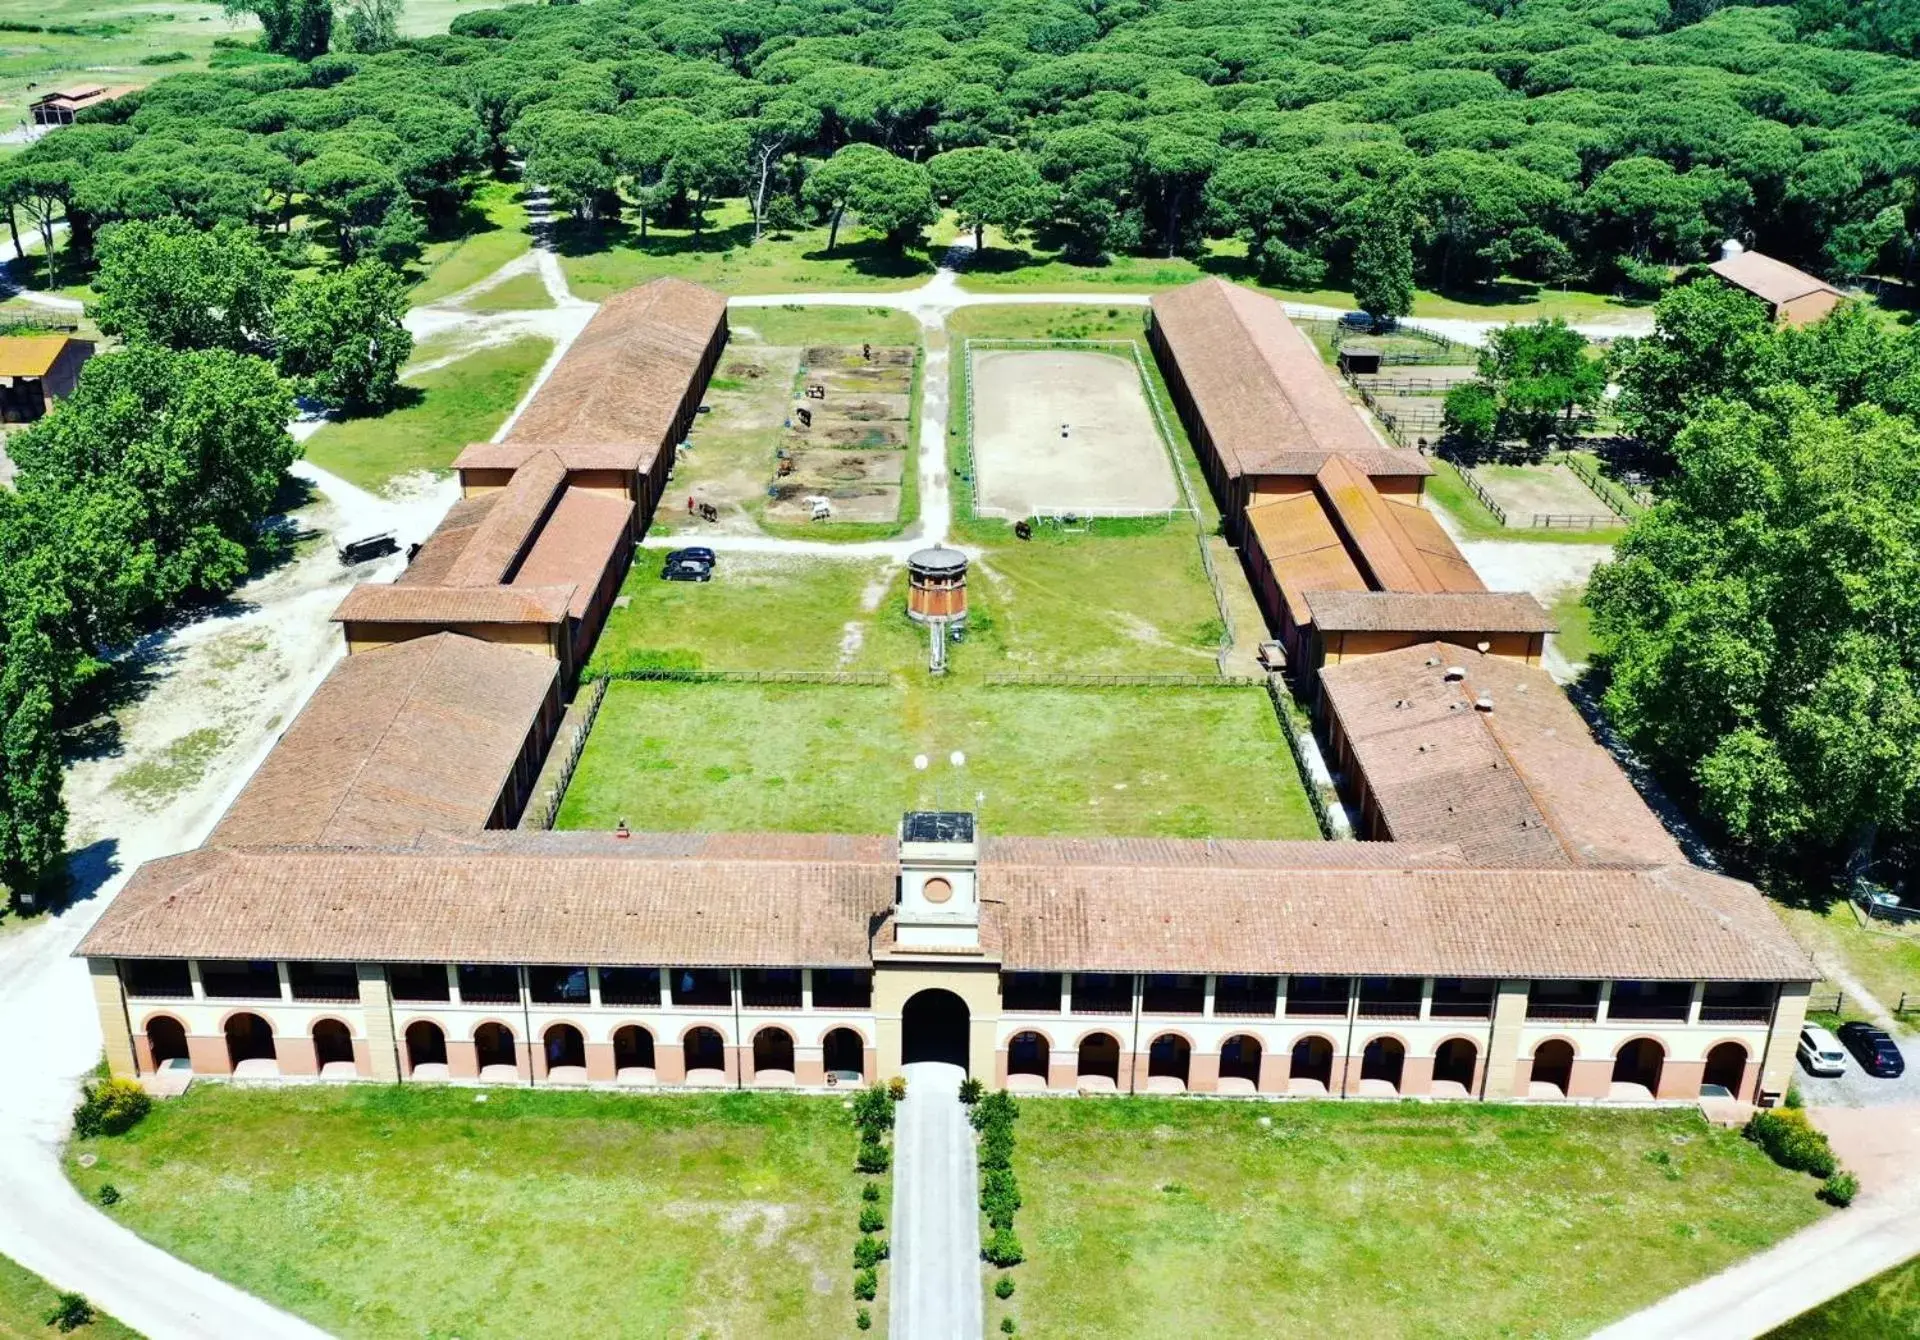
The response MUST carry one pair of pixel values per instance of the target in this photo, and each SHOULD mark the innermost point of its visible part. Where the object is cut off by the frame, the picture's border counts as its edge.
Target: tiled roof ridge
(1490, 723)
(418, 667)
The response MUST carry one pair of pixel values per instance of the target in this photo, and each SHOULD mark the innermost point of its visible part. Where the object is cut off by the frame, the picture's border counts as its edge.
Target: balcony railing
(1389, 1009)
(1647, 1011)
(1316, 1008)
(1245, 1007)
(1563, 1013)
(487, 995)
(770, 1000)
(1102, 1005)
(1462, 1009)
(1736, 1014)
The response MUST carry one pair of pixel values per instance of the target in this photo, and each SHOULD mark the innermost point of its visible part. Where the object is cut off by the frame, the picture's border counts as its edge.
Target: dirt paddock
(1524, 491)
(1108, 459)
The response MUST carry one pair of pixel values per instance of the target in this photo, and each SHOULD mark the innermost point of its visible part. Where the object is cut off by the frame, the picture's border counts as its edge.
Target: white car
(1820, 1052)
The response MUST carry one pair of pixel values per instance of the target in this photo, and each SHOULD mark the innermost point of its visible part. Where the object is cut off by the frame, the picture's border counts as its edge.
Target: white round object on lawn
(919, 762)
(958, 759)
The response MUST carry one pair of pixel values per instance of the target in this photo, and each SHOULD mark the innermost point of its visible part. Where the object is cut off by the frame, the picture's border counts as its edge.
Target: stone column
(111, 1002)
(376, 1005)
(1503, 1044)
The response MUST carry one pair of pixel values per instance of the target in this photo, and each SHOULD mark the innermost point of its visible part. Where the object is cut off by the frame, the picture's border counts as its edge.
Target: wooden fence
(678, 676)
(1486, 499)
(1079, 681)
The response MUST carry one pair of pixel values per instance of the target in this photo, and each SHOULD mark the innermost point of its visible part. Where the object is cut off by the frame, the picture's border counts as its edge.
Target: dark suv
(1875, 1049)
(688, 565)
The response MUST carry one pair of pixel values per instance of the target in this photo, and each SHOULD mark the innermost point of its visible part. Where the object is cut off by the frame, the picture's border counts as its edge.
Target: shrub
(874, 1156)
(1794, 1101)
(970, 1090)
(999, 1184)
(866, 1284)
(108, 1194)
(1003, 1248)
(868, 1252)
(1003, 1287)
(996, 1147)
(870, 1220)
(897, 1088)
(870, 1192)
(1792, 1141)
(996, 1109)
(873, 1111)
(71, 1312)
(1841, 1188)
(111, 1107)
(1007, 1325)
(863, 1319)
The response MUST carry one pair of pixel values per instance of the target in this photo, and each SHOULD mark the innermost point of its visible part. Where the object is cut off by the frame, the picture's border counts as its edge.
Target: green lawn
(494, 232)
(1886, 1306)
(1886, 961)
(838, 758)
(762, 612)
(522, 293)
(1153, 1217)
(462, 402)
(793, 324)
(1449, 491)
(389, 1211)
(25, 1300)
(603, 260)
(1575, 638)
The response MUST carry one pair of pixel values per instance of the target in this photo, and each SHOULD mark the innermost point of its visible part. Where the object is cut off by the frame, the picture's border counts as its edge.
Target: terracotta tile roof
(1350, 611)
(1372, 528)
(1672, 923)
(1258, 383)
(510, 525)
(1204, 853)
(1304, 551)
(858, 849)
(625, 375)
(381, 602)
(498, 908)
(636, 457)
(1512, 786)
(418, 735)
(1443, 559)
(30, 355)
(1377, 462)
(440, 550)
(577, 546)
(1769, 280)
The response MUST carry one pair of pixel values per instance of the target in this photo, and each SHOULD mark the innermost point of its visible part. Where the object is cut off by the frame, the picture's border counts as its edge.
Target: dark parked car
(679, 568)
(1875, 1049)
(699, 553)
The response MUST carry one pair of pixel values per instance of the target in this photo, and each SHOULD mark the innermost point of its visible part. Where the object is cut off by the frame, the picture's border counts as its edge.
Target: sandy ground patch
(1527, 492)
(1065, 431)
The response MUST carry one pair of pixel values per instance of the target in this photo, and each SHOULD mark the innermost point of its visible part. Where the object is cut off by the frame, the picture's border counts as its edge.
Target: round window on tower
(936, 890)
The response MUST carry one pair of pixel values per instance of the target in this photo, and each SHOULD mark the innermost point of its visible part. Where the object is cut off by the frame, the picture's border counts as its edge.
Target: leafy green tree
(160, 465)
(890, 195)
(372, 26)
(1470, 421)
(1708, 339)
(575, 156)
(999, 188)
(778, 129)
(352, 191)
(1383, 262)
(173, 284)
(297, 28)
(1542, 378)
(342, 340)
(1757, 623)
(33, 813)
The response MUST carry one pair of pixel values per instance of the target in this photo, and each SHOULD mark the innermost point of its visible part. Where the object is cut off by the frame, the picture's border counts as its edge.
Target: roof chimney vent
(1483, 647)
(1456, 673)
(1483, 703)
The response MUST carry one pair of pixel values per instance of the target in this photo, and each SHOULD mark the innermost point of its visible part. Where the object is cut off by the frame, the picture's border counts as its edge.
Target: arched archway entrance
(1240, 1064)
(1312, 1062)
(1455, 1062)
(934, 1027)
(705, 1054)
(496, 1052)
(1552, 1072)
(1640, 1062)
(1169, 1064)
(844, 1054)
(1726, 1067)
(1099, 1058)
(566, 1052)
(166, 1040)
(332, 1045)
(632, 1053)
(1383, 1061)
(426, 1046)
(249, 1038)
(1028, 1055)
(773, 1056)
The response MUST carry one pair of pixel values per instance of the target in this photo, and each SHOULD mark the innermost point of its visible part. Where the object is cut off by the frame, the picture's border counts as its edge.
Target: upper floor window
(1032, 992)
(323, 981)
(224, 980)
(157, 977)
(842, 988)
(557, 985)
(418, 981)
(489, 984)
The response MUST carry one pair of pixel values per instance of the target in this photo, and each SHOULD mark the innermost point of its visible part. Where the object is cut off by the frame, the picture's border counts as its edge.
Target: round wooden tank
(937, 585)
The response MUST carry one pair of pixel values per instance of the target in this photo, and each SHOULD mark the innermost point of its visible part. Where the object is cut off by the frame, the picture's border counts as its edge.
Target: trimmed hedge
(1792, 1141)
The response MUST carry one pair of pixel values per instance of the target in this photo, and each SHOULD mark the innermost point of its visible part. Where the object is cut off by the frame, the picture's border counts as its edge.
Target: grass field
(1449, 491)
(416, 1212)
(1147, 1217)
(462, 402)
(1575, 638)
(520, 293)
(838, 758)
(1886, 1306)
(494, 232)
(604, 260)
(762, 612)
(1885, 960)
(25, 1299)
